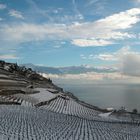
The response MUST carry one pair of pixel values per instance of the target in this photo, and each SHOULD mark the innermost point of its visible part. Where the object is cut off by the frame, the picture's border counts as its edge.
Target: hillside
(24, 123)
(33, 108)
(20, 76)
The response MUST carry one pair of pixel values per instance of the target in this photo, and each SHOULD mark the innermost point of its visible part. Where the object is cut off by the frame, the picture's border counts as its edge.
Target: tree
(134, 111)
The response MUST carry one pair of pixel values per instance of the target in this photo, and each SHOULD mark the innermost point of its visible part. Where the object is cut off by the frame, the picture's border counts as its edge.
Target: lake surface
(107, 95)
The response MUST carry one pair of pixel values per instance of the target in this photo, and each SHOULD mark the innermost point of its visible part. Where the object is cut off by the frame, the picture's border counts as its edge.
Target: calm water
(107, 95)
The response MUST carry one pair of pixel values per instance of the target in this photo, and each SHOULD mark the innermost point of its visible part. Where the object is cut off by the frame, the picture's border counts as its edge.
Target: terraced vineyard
(33, 108)
(71, 107)
(64, 104)
(59, 103)
(25, 123)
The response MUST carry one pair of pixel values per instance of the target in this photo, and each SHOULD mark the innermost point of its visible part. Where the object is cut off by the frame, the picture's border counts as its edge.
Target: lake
(107, 95)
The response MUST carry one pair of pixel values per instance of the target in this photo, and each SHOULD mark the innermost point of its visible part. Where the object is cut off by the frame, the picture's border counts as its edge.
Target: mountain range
(69, 70)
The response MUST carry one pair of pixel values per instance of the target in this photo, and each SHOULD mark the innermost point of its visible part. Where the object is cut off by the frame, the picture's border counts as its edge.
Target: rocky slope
(21, 77)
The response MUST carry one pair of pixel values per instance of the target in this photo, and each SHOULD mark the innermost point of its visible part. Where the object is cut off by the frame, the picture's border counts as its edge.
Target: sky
(100, 33)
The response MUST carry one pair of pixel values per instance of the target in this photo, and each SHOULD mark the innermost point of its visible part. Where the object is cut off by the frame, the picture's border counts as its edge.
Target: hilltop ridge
(11, 72)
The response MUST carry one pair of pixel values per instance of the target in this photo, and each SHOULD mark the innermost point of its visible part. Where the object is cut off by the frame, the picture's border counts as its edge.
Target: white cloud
(8, 56)
(114, 56)
(109, 28)
(128, 61)
(90, 42)
(93, 77)
(106, 57)
(91, 2)
(77, 12)
(138, 1)
(102, 32)
(131, 64)
(2, 6)
(83, 56)
(16, 14)
(122, 20)
(89, 76)
(57, 46)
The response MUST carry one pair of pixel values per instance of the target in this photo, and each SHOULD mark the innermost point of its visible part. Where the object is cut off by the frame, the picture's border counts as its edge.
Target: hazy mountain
(69, 70)
(43, 69)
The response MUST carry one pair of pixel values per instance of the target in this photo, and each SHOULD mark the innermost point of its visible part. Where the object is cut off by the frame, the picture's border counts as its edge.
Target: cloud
(90, 42)
(138, 1)
(78, 13)
(8, 56)
(106, 57)
(2, 6)
(83, 56)
(88, 76)
(128, 61)
(103, 57)
(93, 77)
(114, 56)
(131, 64)
(102, 32)
(122, 20)
(16, 14)
(91, 2)
(110, 27)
